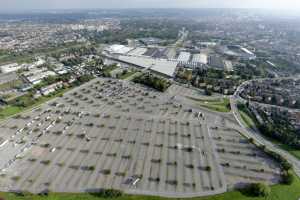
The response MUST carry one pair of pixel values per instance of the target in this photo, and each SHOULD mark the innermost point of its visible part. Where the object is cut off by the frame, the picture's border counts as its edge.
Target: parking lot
(115, 134)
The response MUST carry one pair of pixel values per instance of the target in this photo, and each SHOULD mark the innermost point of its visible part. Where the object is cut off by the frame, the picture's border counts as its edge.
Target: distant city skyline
(12, 5)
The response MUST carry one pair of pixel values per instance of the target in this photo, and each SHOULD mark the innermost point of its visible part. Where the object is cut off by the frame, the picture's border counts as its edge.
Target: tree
(259, 189)
(287, 177)
(207, 92)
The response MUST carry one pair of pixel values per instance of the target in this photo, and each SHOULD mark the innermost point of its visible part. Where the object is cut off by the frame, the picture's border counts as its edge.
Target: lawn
(278, 192)
(9, 111)
(247, 116)
(247, 119)
(291, 150)
(217, 104)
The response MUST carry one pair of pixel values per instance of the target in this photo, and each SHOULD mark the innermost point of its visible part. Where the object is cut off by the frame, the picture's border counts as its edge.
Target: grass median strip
(127, 75)
(291, 150)
(217, 104)
(246, 115)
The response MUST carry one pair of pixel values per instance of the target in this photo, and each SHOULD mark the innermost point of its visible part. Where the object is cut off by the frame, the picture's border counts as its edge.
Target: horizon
(29, 5)
(61, 10)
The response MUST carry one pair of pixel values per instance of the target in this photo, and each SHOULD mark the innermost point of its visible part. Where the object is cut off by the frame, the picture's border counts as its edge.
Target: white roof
(119, 49)
(138, 51)
(37, 77)
(201, 58)
(160, 65)
(184, 56)
(10, 67)
(247, 51)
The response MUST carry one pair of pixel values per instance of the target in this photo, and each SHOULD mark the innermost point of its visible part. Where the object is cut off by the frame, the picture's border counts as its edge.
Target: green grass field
(9, 111)
(247, 116)
(217, 104)
(278, 192)
(247, 119)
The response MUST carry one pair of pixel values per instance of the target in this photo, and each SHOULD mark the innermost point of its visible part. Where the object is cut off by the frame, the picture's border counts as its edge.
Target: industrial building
(118, 49)
(184, 57)
(10, 67)
(163, 66)
(200, 58)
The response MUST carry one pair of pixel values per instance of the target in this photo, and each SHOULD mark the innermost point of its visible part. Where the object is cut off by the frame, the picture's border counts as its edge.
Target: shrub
(259, 189)
(120, 174)
(16, 178)
(152, 179)
(126, 157)
(109, 193)
(156, 160)
(45, 162)
(172, 182)
(283, 162)
(155, 82)
(172, 163)
(251, 140)
(190, 166)
(287, 177)
(105, 171)
(188, 149)
(89, 168)
(208, 168)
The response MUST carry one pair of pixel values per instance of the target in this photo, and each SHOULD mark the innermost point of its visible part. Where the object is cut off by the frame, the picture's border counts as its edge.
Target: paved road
(258, 137)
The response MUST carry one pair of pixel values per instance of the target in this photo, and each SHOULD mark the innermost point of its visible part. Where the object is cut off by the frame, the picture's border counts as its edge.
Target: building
(238, 52)
(36, 78)
(50, 88)
(200, 58)
(184, 57)
(162, 66)
(118, 49)
(10, 67)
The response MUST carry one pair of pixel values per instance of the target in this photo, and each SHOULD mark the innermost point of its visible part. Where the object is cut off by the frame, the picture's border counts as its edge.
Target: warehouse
(10, 67)
(184, 57)
(158, 65)
(118, 49)
(200, 58)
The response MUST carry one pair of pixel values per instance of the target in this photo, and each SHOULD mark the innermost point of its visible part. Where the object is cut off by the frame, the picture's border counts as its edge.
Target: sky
(87, 4)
